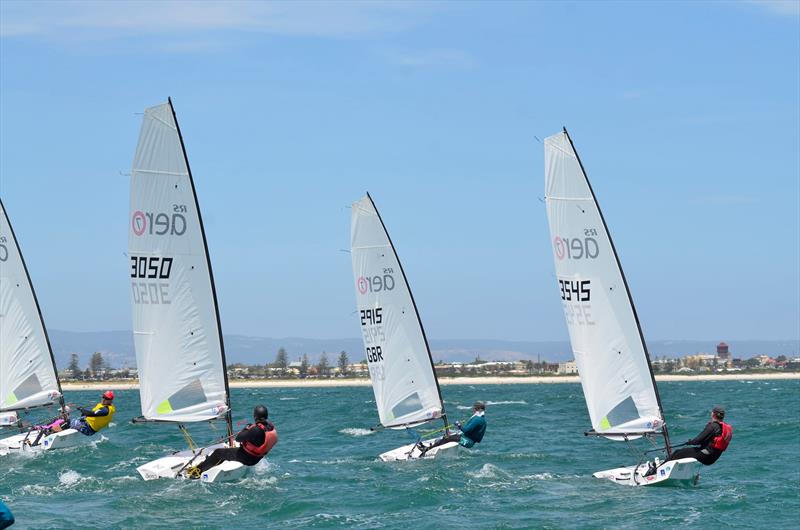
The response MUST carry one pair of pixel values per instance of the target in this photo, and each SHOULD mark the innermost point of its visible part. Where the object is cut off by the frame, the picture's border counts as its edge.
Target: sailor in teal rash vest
(471, 432)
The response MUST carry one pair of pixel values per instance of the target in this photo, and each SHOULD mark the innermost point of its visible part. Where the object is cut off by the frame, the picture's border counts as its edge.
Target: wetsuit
(252, 434)
(471, 433)
(705, 454)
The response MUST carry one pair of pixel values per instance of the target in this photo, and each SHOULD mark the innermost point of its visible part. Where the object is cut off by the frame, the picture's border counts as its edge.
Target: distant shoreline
(325, 383)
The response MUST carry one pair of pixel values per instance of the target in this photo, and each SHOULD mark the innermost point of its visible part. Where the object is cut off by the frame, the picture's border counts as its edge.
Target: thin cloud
(724, 200)
(779, 7)
(54, 19)
(426, 58)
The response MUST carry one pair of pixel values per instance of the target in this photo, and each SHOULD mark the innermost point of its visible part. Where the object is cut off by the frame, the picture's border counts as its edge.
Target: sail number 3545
(575, 290)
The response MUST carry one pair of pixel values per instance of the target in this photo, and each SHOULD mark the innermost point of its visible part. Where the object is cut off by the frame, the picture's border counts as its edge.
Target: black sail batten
(416, 311)
(627, 290)
(38, 309)
(228, 415)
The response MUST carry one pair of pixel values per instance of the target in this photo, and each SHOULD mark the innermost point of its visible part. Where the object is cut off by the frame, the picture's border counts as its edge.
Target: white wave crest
(264, 467)
(507, 402)
(70, 478)
(538, 476)
(356, 431)
(288, 399)
(488, 471)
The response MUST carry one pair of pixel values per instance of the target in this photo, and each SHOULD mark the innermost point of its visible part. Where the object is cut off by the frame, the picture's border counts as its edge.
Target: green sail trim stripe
(11, 399)
(605, 424)
(164, 407)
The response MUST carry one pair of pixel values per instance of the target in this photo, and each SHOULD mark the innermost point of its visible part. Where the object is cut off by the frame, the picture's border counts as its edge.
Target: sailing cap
(108, 394)
(719, 412)
(479, 405)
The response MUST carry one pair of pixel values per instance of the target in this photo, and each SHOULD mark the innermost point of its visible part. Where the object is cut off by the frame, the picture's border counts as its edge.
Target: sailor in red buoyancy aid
(712, 441)
(255, 441)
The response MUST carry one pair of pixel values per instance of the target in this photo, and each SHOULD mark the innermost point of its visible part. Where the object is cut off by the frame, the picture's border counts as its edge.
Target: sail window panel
(624, 412)
(409, 405)
(27, 388)
(189, 395)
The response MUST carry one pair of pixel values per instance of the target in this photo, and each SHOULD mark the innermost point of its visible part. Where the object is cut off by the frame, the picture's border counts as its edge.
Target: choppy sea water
(533, 469)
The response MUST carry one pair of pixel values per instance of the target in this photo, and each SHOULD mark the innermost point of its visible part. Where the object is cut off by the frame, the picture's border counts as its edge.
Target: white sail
(603, 328)
(27, 370)
(405, 385)
(176, 329)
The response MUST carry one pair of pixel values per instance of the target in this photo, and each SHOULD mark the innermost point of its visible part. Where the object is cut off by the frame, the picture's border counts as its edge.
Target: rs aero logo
(160, 223)
(576, 247)
(3, 249)
(377, 283)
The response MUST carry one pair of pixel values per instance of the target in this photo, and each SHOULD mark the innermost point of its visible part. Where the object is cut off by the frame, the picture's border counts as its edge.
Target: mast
(628, 291)
(228, 414)
(36, 302)
(416, 311)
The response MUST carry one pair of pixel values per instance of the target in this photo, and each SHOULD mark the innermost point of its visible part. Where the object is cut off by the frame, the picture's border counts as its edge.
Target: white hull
(683, 472)
(21, 443)
(412, 452)
(170, 466)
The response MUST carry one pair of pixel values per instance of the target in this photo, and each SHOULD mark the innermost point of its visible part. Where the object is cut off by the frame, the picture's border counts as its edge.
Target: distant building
(569, 367)
(700, 360)
(722, 351)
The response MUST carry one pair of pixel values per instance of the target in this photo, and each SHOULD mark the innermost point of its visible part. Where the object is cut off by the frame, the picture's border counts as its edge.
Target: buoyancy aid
(720, 443)
(270, 439)
(100, 422)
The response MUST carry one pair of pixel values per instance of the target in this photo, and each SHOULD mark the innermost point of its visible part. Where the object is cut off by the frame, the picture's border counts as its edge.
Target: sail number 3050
(150, 267)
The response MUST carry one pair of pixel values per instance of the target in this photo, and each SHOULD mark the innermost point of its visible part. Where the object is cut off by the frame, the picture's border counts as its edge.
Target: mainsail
(28, 377)
(607, 341)
(399, 359)
(177, 333)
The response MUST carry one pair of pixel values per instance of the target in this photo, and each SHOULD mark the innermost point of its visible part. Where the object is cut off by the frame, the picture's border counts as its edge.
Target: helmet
(479, 405)
(260, 413)
(108, 394)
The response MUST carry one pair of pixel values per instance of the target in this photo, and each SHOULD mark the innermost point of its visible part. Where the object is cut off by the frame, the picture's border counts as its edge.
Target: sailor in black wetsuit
(711, 443)
(255, 441)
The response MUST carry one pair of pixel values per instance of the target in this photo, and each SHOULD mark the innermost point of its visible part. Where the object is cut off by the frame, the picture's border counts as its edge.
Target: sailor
(710, 444)
(470, 433)
(91, 420)
(255, 441)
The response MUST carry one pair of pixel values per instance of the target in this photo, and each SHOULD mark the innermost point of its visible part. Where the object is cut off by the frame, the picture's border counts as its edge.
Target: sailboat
(407, 392)
(607, 341)
(176, 326)
(28, 377)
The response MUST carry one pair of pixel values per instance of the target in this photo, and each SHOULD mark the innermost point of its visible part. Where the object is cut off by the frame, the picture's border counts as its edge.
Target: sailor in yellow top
(93, 420)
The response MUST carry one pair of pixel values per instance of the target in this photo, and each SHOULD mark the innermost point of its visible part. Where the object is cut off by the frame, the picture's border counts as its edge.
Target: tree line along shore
(283, 372)
(480, 380)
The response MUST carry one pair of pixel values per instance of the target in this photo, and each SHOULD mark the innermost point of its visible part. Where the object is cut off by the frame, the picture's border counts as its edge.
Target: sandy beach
(311, 383)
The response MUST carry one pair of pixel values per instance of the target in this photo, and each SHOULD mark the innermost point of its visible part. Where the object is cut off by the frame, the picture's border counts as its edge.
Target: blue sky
(686, 116)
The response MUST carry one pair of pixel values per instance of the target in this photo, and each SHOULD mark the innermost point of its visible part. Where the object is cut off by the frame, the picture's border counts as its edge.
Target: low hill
(117, 348)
